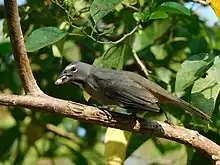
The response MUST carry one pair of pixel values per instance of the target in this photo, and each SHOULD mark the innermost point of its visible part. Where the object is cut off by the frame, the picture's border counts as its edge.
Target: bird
(122, 88)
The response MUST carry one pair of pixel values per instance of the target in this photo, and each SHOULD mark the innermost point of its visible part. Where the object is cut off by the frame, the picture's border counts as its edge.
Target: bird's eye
(73, 69)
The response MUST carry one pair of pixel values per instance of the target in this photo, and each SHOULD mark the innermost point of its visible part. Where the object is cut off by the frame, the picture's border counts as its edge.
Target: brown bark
(125, 122)
(19, 49)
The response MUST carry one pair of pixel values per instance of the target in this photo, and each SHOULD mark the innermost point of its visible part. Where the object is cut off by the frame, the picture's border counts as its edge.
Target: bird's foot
(168, 119)
(105, 109)
(109, 115)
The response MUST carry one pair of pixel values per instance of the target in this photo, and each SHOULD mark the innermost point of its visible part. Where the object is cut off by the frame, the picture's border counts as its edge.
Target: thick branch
(121, 121)
(19, 50)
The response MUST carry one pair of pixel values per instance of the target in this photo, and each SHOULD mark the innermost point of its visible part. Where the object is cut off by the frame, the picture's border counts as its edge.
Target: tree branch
(121, 121)
(143, 68)
(58, 131)
(202, 2)
(19, 50)
(35, 99)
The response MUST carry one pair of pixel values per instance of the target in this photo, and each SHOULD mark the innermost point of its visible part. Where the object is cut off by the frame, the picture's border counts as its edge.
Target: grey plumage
(123, 88)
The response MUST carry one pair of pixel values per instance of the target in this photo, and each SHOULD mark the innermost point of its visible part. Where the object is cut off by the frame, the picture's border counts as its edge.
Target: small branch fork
(36, 99)
(71, 17)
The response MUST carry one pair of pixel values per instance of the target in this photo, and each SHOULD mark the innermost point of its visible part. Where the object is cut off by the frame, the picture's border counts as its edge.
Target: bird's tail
(192, 109)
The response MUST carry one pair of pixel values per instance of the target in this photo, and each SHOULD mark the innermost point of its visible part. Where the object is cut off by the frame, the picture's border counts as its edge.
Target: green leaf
(150, 34)
(205, 92)
(71, 51)
(173, 7)
(164, 74)
(56, 51)
(43, 37)
(135, 142)
(113, 57)
(217, 68)
(7, 138)
(5, 47)
(100, 8)
(198, 45)
(140, 16)
(158, 15)
(86, 96)
(192, 69)
(130, 2)
(116, 143)
(159, 51)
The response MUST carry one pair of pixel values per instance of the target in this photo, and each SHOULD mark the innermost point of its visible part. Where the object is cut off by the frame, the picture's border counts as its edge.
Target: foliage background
(60, 32)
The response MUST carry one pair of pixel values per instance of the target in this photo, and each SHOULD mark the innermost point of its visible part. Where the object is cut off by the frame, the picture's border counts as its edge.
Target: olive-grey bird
(122, 88)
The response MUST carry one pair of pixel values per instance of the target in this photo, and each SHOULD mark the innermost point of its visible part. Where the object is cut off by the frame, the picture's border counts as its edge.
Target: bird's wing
(118, 86)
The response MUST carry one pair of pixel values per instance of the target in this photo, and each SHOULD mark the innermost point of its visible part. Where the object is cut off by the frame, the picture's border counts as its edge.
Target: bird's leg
(134, 115)
(163, 110)
(168, 120)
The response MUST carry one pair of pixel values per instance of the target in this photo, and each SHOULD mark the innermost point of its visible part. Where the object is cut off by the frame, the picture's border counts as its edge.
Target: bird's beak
(61, 80)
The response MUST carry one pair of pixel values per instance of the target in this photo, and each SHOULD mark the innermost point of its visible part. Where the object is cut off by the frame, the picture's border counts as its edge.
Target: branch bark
(19, 49)
(121, 121)
(36, 99)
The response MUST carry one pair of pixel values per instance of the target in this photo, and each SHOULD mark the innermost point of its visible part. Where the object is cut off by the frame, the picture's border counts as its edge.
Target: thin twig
(113, 42)
(69, 16)
(143, 68)
(19, 50)
(130, 6)
(60, 132)
(202, 2)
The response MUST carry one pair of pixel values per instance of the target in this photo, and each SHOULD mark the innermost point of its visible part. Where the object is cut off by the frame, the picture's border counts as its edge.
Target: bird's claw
(105, 109)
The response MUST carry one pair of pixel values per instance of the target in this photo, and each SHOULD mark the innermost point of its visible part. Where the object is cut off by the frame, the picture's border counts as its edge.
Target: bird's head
(75, 73)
